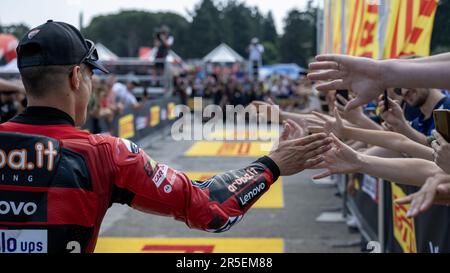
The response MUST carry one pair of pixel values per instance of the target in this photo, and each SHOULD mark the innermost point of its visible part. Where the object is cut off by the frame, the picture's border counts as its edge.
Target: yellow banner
(404, 231)
(171, 111)
(367, 43)
(336, 10)
(327, 29)
(354, 11)
(154, 115)
(420, 37)
(409, 28)
(126, 126)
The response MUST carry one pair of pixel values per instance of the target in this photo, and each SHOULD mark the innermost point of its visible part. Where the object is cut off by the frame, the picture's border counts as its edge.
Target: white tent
(105, 54)
(223, 54)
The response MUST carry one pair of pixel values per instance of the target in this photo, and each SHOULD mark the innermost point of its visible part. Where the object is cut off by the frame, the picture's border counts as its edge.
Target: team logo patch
(150, 167)
(23, 241)
(167, 188)
(241, 181)
(132, 147)
(160, 175)
(250, 194)
(33, 33)
(18, 206)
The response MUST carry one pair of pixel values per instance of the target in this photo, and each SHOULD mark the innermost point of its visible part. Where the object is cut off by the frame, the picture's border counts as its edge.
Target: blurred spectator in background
(162, 42)
(306, 97)
(124, 93)
(181, 87)
(422, 125)
(12, 99)
(255, 50)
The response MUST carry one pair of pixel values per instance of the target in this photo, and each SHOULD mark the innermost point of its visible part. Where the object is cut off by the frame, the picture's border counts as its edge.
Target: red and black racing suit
(57, 182)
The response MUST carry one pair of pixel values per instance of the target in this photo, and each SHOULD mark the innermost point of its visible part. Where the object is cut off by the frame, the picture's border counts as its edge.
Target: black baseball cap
(56, 43)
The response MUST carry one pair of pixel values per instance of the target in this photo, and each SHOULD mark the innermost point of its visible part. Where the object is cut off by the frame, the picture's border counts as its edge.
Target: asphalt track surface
(287, 223)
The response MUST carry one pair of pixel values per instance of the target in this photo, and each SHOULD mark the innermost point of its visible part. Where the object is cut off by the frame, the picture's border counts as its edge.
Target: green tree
(18, 30)
(244, 23)
(269, 31)
(440, 41)
(239, 20)
(205, 29)
(271, 54)
(298, 41)
(125, 32)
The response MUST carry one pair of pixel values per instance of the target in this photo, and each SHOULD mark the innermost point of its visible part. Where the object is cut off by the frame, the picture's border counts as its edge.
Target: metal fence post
(381, 214)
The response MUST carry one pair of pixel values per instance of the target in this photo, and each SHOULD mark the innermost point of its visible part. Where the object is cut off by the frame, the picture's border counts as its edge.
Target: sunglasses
(92, 54)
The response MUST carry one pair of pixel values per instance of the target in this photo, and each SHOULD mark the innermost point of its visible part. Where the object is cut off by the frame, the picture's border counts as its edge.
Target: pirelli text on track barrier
(427, 233)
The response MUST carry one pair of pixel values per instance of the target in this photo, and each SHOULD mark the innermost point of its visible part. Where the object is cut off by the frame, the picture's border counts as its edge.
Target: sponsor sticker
(160, 174)
(18, 206)
(242, 180)
(33, 33)
(131, 146)
(150, 166)
(273, 197)
(23, 241)
(250, 194)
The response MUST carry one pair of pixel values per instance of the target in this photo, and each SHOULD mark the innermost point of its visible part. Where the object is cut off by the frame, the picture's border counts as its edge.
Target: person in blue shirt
(420, 127)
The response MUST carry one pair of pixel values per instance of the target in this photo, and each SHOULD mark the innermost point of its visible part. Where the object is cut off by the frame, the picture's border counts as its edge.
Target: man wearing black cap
(57, 182)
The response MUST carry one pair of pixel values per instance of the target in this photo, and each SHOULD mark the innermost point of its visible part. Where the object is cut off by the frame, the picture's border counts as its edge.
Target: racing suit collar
(41, 115)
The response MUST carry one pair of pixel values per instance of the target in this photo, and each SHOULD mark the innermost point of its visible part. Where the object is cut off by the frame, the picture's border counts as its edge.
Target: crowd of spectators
(385, 128)
(110, 97)
(297, 95)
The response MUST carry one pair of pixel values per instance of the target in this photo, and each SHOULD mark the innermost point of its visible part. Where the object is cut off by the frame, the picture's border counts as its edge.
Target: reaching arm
(429, 72)
(368, 78)
(411, 133)
(272, 112)
(408, 171)
(355, 116)
(215, 204)
(444, 57)
(386, 139)
(390, 140)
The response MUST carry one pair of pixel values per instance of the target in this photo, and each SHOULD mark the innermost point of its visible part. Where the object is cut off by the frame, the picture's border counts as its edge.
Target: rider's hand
(293, 155)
